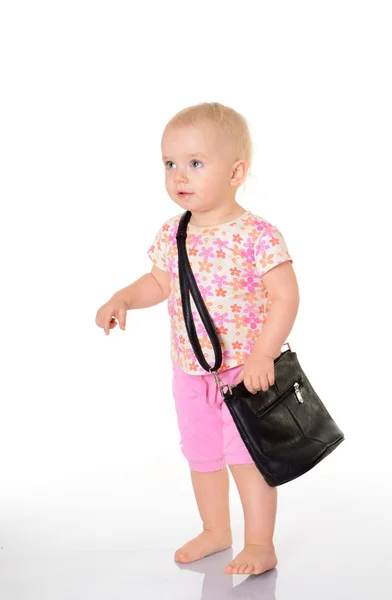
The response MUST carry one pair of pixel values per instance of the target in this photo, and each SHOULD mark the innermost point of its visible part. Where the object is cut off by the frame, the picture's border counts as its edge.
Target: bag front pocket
(295, 388)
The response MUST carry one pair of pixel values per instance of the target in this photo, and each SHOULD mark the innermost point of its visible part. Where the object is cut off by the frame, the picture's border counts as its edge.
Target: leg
(212, 498)
(259, 502)
(200, 426)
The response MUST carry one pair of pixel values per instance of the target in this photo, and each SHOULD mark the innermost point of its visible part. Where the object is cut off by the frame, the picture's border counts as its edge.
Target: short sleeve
(157, 252)
(270, 249)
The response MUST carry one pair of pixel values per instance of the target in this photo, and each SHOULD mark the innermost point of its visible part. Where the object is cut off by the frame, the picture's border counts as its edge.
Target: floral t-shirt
(228, 262)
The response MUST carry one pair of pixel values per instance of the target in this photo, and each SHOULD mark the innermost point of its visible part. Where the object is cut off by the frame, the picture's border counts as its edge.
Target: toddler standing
(244, 272)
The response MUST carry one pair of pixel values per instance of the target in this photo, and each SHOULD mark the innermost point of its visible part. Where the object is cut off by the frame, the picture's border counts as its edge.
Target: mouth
(184, 194)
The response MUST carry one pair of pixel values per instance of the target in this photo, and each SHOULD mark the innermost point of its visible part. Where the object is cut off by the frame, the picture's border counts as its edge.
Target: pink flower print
(250, 283)
(172, 265)
(248, 255)
(248, 271)
(250, 307)
(252, 319)
(171, 306)
(206, 252)
(249, 346)
(178, 345)
(219, 280)
(248, 245)
(222, 244)
(205, 291)
(196, 318)
(200, 329)
(226, 355)
(260, 225)
(220, 319)
(262, 247)
(195, 239)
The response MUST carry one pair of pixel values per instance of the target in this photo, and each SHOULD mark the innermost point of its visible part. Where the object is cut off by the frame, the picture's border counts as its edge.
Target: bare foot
(204, 544)
(254, 559)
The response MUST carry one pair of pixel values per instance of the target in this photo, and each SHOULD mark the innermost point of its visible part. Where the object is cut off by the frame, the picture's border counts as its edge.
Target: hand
(106, 314)
(257, 373)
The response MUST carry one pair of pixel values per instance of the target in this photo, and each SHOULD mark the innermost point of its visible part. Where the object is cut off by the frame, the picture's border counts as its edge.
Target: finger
(249, 385)
(121, 316)
(271, 377)
(264, 383)
(106, 326)
(256, 383)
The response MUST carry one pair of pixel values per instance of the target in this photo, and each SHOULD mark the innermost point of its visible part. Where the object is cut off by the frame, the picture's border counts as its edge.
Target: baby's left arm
(282, 287)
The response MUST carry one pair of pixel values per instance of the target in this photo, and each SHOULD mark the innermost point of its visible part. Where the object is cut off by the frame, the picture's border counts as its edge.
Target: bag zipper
(295, 388)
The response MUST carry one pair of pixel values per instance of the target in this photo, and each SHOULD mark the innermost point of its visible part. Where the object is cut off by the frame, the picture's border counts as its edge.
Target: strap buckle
(220, 383)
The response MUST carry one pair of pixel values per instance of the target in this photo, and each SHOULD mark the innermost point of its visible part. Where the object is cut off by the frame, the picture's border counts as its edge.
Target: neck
(216, 216)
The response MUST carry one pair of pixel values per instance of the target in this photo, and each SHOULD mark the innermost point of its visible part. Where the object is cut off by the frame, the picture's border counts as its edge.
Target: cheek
(203, 177)
(168, 181)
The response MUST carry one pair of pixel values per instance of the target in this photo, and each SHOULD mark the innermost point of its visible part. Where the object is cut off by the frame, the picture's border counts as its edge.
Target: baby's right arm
(150, 289)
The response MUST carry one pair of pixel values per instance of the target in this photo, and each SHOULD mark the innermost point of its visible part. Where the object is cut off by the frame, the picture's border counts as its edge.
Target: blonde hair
(231, 122)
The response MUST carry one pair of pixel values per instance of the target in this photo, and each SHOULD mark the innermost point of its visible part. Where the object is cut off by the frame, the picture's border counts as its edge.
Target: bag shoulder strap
(188, 284)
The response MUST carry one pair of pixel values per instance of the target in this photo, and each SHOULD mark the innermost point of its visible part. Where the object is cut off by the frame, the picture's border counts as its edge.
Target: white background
(89, 446)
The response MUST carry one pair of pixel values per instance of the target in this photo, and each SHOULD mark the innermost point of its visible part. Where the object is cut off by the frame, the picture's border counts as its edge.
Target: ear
(239, 171)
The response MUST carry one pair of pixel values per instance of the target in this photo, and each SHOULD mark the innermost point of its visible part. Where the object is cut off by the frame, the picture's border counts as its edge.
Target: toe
(248, 569)
(241, 569)
(180, 557)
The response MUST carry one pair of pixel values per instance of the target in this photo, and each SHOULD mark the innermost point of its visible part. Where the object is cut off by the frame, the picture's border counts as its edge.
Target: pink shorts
(209, 437)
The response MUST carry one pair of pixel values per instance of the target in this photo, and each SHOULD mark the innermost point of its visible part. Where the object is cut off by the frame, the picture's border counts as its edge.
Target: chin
(185, 205)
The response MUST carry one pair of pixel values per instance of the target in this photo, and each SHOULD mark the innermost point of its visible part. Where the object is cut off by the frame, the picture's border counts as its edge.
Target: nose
(180, 175)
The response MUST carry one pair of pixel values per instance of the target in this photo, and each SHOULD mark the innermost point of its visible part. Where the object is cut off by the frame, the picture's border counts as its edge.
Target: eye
(168, 162)
(197, 161)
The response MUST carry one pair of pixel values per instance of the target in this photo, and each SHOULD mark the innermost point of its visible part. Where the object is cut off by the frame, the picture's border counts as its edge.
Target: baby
(244, 273)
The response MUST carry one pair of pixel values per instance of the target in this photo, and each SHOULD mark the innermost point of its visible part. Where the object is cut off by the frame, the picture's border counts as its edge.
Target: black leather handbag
(286, 429)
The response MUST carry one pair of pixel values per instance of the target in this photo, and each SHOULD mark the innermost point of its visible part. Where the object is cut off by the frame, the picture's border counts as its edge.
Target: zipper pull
(298, 393)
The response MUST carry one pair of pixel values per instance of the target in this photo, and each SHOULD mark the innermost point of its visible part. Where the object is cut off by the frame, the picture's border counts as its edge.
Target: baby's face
(197, 160)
